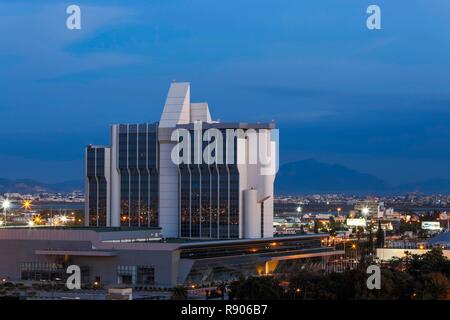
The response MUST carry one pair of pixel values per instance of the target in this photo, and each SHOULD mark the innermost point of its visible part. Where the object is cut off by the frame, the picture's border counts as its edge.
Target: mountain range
(31, 186)
(300, 177)
(310, 176)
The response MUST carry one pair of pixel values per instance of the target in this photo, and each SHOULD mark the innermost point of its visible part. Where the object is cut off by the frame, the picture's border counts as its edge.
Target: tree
(380, 236)
(435, 286)
(359, 232)
(316, 226)
(370, 242)
(256, 288)
(431, 261)
(179, 293)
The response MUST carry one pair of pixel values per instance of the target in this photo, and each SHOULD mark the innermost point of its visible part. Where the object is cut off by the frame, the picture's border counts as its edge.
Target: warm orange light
(26, 204)
(353, 246)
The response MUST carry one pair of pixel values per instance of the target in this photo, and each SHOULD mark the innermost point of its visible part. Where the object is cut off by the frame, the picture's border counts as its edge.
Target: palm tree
(222, 287)
(256, 288)
(179, 293)
(380, 236)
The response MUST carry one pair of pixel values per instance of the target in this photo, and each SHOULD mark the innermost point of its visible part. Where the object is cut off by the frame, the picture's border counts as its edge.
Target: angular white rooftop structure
(178, 108)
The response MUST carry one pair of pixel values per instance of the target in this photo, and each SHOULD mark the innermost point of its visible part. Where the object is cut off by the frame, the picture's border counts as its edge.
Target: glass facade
(136, 275)
(49, 271)
(139, 180)
(209, 198)
(97, 186)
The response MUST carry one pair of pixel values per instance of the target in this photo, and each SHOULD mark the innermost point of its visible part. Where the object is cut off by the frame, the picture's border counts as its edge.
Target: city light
(365, 211)
(299, 209)
(6, 204)
(64, 219)
(1, 222)
(31, 223)
(26, 204)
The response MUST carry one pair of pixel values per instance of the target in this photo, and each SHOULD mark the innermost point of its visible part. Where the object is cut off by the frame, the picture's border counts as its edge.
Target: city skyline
(375, 101)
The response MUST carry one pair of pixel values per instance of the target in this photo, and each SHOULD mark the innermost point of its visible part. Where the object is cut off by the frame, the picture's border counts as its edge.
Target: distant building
(370, 208)
(97, 185)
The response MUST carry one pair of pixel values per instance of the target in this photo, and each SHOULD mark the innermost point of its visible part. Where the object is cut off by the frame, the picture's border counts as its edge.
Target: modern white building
(223, 189)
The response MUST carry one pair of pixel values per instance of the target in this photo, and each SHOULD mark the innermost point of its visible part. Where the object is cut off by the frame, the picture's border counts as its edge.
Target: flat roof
(96, 229)
(81, 253)
(231, 125)
(194, 243)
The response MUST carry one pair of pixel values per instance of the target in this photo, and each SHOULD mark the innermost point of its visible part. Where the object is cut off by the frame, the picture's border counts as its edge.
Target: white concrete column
(115, 178)
(252, 215)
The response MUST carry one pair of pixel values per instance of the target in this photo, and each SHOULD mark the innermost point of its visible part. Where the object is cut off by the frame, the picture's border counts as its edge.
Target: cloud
(40, 38)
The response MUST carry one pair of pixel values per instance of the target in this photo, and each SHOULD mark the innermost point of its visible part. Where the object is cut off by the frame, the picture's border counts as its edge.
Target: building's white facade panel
(168, 192)
(252, 215)
(115, 178)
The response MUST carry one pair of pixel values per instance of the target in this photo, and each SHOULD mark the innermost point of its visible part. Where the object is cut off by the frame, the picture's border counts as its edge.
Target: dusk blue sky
(376, 101)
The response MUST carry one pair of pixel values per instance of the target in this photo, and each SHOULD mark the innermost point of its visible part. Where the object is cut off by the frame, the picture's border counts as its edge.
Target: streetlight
(26, 204)
(5, 204)
(365, 211)
(355, 251)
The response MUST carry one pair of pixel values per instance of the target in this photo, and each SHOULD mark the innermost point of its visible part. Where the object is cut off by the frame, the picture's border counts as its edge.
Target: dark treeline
(413, 277)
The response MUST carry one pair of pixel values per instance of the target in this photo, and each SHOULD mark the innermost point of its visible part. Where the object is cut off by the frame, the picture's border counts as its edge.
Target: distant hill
(299, 177)
(32, 186)
(311, 176)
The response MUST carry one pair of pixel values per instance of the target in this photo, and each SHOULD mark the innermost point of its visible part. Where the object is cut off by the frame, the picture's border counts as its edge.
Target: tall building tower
(97, 186)
(230, 197)
(134, 175)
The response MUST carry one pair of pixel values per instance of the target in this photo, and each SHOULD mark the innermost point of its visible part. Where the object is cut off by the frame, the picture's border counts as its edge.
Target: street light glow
(365, 211)
(26, 204)
(6, 204)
